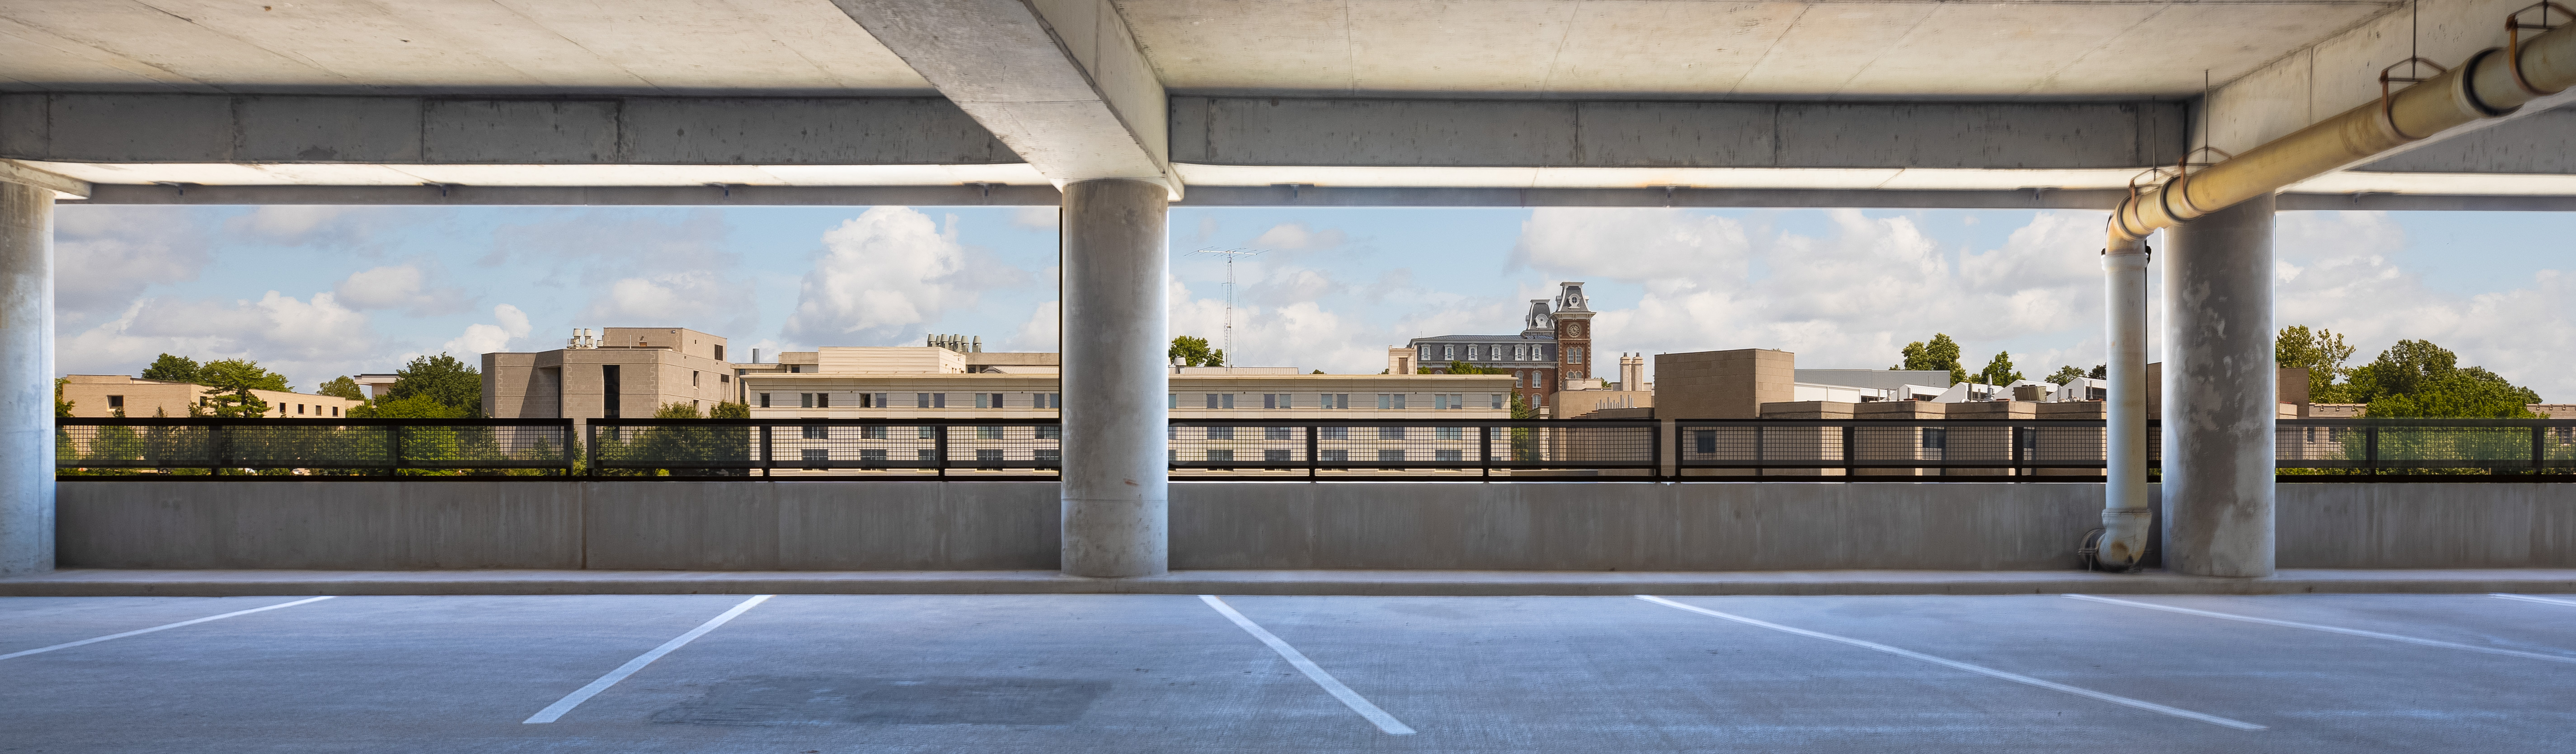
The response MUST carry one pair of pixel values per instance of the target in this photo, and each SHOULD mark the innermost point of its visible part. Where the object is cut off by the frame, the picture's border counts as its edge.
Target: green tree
(443, 379)
(2322, 352)
(229, 383)
(2066, 374)
(1940, 354)
(1193, 351)
(677, 410)
(2417, 379)
(1999, 371)
(61, 407)
(170, 368)
(730, 410)
(342, 387)
(2100, 372)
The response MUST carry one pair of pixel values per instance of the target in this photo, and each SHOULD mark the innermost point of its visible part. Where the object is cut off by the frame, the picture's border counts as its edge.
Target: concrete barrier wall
(1247, 525)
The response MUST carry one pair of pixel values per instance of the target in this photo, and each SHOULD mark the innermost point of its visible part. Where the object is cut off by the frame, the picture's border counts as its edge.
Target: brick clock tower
(1573, 335)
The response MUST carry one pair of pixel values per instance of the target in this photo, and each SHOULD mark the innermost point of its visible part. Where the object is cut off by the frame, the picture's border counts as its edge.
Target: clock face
(1574, 330)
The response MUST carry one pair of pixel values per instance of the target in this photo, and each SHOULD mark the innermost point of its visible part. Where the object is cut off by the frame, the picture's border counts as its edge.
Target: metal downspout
(2492, 83)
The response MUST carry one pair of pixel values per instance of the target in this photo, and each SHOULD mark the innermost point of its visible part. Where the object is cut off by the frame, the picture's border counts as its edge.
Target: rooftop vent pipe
(2492, 83)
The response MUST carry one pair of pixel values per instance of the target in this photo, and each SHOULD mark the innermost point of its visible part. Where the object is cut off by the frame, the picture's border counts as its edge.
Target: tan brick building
(626, 372)
(101, 395)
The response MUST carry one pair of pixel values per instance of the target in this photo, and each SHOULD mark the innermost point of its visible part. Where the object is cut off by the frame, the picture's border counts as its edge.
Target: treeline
(2414, 379)
(430, 387)
(1941, 354)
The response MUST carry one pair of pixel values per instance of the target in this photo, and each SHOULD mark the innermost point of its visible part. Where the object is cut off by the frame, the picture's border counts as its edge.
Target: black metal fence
(1355, 449)
(318, 448)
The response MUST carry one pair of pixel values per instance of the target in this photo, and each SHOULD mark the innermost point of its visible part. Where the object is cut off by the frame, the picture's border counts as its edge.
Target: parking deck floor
(810, 674)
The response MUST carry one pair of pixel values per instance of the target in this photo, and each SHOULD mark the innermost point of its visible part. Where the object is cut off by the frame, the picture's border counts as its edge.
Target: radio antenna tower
(1230, 255)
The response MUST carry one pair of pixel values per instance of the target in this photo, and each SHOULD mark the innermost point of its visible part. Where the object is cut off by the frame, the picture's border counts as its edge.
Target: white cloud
(307, 340)
(106, 256)
(1849, 298)
(702, 300)
(1040, 332)
(1292, 236)
(398, 287)
(1034, 218)
(2334, 270)
(886, 275)
(298, 224)
(481, 338)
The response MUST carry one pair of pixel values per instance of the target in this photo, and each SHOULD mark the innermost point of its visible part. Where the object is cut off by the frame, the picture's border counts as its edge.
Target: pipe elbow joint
(2124, 538)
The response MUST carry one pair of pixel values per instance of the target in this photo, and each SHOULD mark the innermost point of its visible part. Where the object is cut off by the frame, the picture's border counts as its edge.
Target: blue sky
(317, 292)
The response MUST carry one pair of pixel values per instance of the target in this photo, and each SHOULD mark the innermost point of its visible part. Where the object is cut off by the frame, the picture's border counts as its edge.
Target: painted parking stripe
(2330, 629)
(1351, 699)
(574, 699)
(2529, 598)
(1978, 669)
(138, 632)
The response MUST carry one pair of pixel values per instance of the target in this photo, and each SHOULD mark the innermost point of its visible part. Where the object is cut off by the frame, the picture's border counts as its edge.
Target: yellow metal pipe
(2482, 87)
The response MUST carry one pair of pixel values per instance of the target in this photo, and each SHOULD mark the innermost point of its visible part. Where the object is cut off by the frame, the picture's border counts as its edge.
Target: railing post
(2539, 456)
(2018, 457)
(2370, 450)
(1314, 459)
(768, 453)
(215, 449)
(1485, 451)
(1851, 452)
(397, 458)
(590, 448)
(1760, 449)
(939, 445)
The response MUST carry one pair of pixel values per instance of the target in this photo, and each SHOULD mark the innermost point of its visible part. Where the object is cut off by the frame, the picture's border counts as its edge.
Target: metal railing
(312, 448)
(1298, 449)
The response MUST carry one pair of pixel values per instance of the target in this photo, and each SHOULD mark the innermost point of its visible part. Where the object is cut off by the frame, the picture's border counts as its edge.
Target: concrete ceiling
(675, 47)
(1485, 48)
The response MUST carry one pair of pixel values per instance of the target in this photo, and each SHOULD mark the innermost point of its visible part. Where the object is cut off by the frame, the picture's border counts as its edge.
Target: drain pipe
(2493, 83)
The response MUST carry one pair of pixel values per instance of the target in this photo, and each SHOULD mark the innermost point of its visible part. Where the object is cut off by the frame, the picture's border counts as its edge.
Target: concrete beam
(63, 186)
(201, 128)
(1559, 134)
(462, 196)
(1060, 81)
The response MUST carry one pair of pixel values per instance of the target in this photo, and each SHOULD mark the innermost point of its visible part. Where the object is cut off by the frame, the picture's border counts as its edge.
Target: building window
(816, 457)
(1471, 353)
(1176, 399)
(1520, 353)
(1936, 438)
(764, 400)
(991, 456)
(724, 378)
(299, 408)
(609, 390)
(880, 401)
(927, 457)
(872, 433)
(1703, 441)
(1390, 433)
(1498, 400)
(1220, 433)
(1426, 352)
(335, 412)
(1390, 456)
(822, 400)
(1220, 455)
(1270, 400)
(1333, 400)
(1275, 456)
(693, 378)
(1448, 353)
(817, 432)
(116, 401)
(926, 433)
(719, 353)
(1046, 400)
(984, 400)
(988, 433)
(804, 400)
(1447, 433)
(1337, 433)
(877, 455)
(1333, 456)
(1452, 456)
(1277, 433)
(1047, 455)
(1050, 432)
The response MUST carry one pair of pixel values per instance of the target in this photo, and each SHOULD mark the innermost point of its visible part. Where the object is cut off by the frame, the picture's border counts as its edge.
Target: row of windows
(1322, 433)
(1385, 401)
(1329, 456)
(929, 456)
(824, 432)
(1492, 352)
(925, 400)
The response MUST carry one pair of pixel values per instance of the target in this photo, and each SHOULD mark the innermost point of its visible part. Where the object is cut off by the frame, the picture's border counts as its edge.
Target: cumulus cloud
(106, 256)
(2335, 270)
(398, 287)
(303, 224)
(1034, 218)
(885, 276)
(1290, 236)
(1848, 298)
(306, 339)
(700, 299)
(482, 338)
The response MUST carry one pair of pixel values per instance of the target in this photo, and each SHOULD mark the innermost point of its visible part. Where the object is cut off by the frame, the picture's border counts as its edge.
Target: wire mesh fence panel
(823, 447)
(311, 447)
(1888, 447)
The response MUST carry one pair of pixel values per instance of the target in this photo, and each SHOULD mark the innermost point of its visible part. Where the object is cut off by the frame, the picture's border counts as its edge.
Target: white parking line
(1978, 669)
(2329, 629)
(1351, 699)
(2529, 598)
(71, 644)
(574, 699)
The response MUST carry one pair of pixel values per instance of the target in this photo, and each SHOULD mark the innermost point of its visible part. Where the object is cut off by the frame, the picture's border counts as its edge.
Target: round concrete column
(26, 379)
(1115, 491)
(2220, 393)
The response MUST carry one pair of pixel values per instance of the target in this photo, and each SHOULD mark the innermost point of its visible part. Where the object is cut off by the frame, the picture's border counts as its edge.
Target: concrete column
(26, 379)
(1116, 505)
(2219, 393)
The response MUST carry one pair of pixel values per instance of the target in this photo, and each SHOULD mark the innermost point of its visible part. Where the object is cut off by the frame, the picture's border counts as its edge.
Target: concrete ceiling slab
(1724, 48)
(676, 47)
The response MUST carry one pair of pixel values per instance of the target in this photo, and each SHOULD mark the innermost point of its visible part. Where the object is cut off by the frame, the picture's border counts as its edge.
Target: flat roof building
(626, 372)
(104, 395)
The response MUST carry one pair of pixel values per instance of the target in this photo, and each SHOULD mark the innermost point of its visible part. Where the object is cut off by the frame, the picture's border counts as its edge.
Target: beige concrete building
(1723, 384)
(626, 372)
(102, 395)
